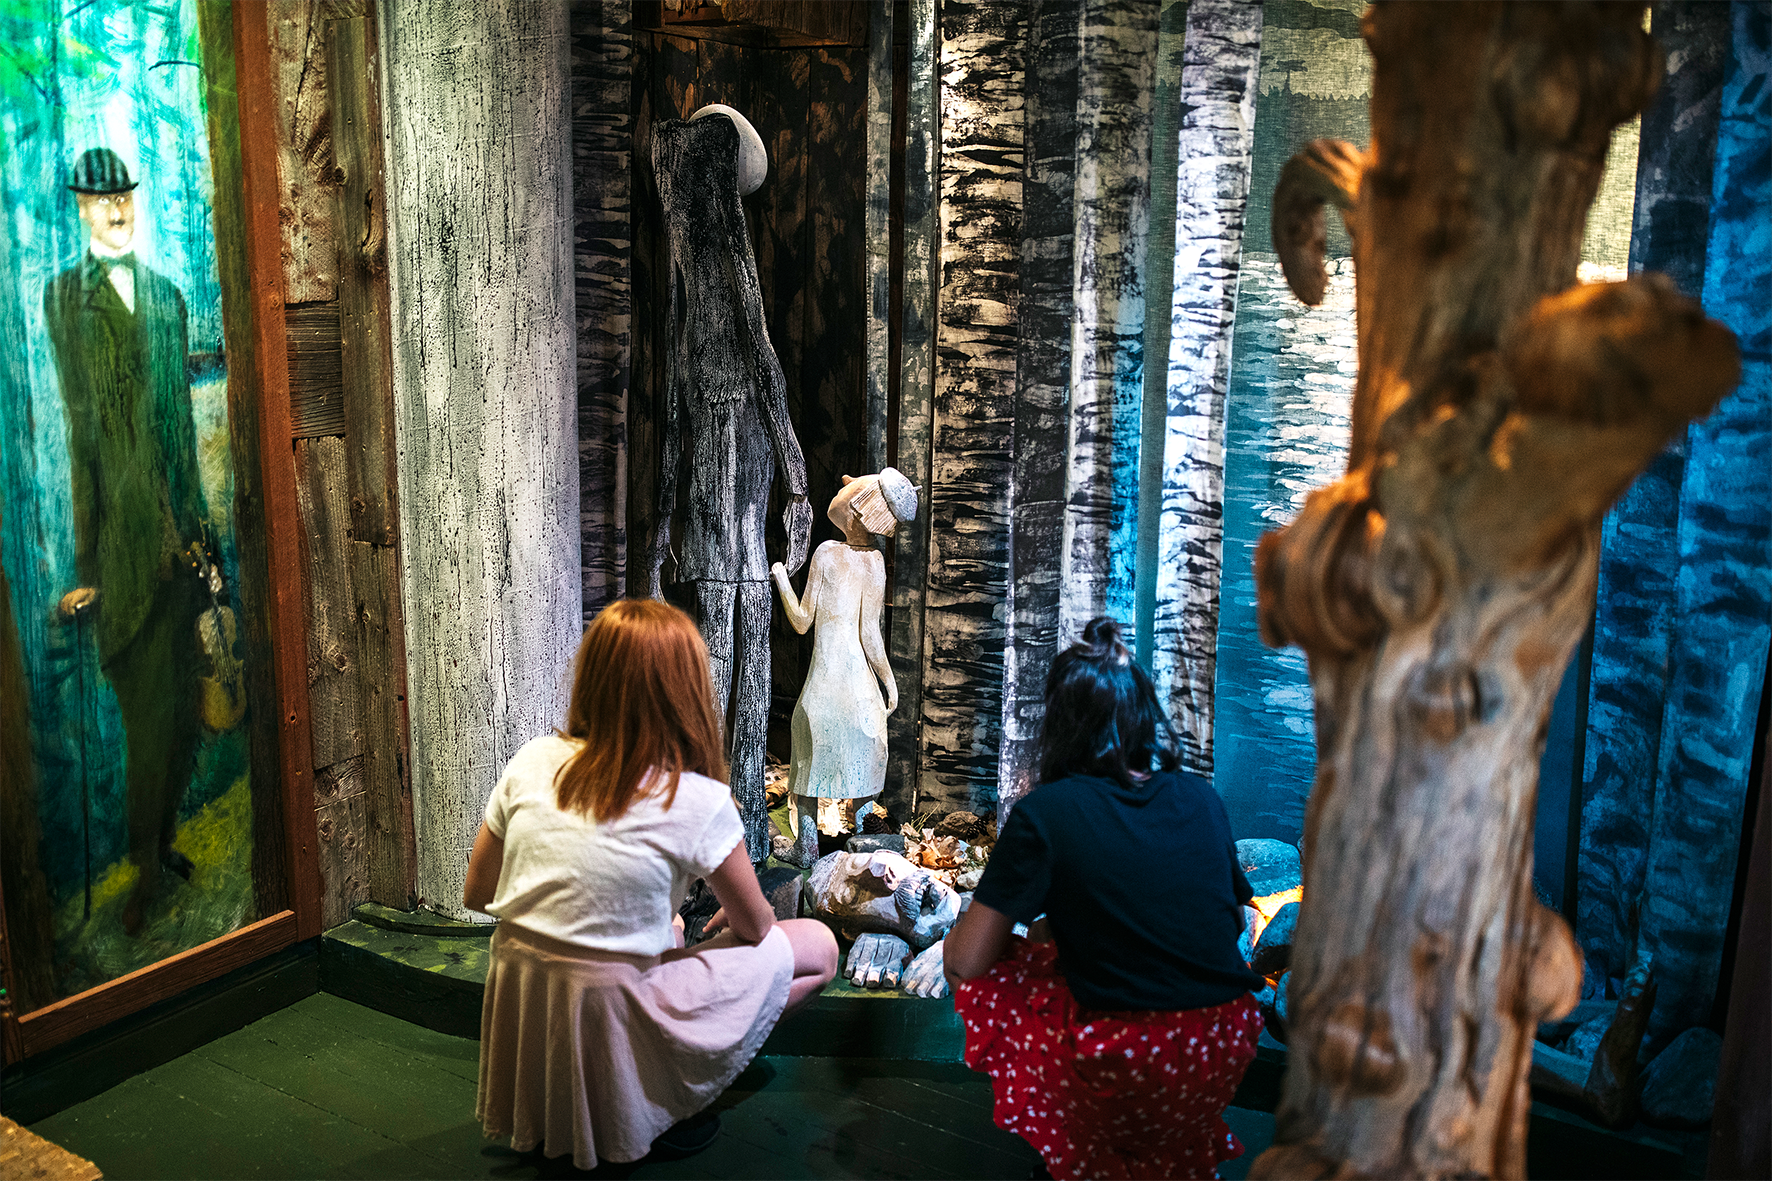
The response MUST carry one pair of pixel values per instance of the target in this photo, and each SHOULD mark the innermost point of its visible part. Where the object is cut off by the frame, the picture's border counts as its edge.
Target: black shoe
(177, 862)
(687, 1137)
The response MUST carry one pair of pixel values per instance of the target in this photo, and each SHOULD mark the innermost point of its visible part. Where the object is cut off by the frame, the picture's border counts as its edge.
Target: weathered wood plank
(910, 564)
(335, 726)
(387, 779)
(304, 149)
(344, 855)
(316, 380)
(603, 61)
(831, 22)
(1117, 48)
(983, 105)
(480, 233)
(878, 232)
(834, 270)
(1220, 60)
(246, 212)
(1043, 367)
(366, 348)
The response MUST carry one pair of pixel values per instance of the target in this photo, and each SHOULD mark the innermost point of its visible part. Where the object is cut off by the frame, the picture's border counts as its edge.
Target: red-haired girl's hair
(642, 700)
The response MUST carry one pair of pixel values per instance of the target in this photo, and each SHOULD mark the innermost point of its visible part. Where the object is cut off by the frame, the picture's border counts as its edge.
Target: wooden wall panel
(333, 212)
(603, 62)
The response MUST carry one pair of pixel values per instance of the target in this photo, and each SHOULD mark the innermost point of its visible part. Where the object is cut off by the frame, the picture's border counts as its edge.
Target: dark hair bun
(1101, 636)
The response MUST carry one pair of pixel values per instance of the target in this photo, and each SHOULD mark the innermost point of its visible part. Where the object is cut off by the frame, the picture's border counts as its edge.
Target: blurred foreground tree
(1440, 586)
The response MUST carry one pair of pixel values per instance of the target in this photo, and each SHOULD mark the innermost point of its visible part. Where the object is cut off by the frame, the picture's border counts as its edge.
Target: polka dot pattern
(1100, 1094)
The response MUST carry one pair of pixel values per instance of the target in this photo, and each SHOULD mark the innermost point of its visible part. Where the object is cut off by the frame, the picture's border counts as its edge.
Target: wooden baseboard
(57, 1023)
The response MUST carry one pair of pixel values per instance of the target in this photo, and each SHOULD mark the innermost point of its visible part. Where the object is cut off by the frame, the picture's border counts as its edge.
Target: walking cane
(85, 775)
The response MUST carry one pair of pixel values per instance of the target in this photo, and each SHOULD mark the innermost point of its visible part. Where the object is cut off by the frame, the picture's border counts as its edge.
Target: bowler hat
(100, 170)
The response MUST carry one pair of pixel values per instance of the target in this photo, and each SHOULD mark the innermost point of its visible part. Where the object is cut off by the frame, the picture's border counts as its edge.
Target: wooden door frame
(285, 596)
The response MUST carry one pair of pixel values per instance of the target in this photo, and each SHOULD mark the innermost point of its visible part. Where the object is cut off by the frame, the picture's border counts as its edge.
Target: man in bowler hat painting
(118, 333)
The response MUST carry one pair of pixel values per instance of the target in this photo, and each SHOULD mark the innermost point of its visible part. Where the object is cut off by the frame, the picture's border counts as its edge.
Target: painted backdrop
(127, 833)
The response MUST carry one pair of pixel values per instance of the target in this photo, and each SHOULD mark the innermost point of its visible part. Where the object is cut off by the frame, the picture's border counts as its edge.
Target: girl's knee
(815, 948)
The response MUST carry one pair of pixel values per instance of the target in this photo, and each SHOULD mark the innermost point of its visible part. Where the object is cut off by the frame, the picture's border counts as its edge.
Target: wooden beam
(286, 600)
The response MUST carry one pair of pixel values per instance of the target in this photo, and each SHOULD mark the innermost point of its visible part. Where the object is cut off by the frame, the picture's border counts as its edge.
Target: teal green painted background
(128, 76)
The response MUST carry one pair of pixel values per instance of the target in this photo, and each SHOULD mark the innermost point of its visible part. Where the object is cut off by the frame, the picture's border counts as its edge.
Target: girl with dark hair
(1115, 1047)
(600, 1033)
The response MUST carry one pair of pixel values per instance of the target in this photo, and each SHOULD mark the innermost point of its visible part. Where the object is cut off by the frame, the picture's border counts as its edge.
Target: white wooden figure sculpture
(839, 726)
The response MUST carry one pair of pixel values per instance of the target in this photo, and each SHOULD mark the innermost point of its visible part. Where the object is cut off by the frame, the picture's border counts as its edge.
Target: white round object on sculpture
(900, 494)
(753, 161)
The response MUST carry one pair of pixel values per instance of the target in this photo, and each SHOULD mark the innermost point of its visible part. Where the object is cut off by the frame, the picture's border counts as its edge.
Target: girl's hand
(716, 923)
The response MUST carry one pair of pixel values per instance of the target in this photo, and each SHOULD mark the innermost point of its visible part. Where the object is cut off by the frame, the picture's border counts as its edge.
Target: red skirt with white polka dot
(1106, 1094)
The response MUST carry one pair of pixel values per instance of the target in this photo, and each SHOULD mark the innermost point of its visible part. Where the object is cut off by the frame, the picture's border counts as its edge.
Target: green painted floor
(327, 1088)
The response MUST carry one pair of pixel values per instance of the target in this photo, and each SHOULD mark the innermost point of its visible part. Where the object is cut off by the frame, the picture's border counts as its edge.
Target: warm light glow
(1267, 906)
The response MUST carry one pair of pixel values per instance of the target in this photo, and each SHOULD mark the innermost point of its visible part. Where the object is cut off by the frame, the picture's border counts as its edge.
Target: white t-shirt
(605, 886)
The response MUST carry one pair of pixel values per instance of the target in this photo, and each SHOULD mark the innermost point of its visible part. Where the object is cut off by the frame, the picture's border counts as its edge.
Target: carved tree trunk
(1439, 587)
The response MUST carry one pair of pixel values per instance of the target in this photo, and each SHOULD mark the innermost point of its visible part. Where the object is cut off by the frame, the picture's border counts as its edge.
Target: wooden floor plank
(403, 1094)
(456, 1054)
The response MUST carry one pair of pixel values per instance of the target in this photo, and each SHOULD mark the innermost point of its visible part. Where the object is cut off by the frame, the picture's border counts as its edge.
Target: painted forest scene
(127, 825)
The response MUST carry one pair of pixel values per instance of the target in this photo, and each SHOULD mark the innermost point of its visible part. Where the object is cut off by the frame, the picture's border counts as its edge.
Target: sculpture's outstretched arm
(800, 611)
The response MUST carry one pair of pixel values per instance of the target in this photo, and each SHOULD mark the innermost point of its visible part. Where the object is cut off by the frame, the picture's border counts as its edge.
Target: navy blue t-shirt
(1141, 888)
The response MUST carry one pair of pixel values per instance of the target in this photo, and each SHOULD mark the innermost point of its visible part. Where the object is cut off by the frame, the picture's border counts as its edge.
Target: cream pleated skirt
(596, 1053)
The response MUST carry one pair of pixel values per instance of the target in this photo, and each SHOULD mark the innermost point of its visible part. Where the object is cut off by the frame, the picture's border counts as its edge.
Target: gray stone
(1679, 1086)
(965, 826)
(892, 842)
(781, 886)
(1273, 951)
(1586, 1039)
(1270, 866)
(1272, 1002)
(1554, 1033)
(698, 907)
(1559, 1074)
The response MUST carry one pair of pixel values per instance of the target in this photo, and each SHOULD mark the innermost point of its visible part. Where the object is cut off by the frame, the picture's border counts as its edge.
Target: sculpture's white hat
(753, 161)
(900, 494)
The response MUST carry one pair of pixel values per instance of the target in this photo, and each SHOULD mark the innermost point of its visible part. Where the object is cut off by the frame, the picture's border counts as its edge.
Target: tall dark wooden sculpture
(1440, 586)
(726, 404)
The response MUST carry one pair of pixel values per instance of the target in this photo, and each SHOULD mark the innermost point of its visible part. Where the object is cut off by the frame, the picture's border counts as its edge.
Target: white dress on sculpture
(840, 720)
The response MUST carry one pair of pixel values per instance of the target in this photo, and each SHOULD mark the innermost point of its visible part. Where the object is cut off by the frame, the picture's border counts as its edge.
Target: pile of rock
(1276, 875)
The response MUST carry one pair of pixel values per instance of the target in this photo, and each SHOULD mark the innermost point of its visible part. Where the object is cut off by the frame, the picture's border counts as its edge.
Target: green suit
(138, 505)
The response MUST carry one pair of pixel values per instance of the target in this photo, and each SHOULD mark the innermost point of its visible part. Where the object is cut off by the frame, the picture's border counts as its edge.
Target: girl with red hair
(600, 1032)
